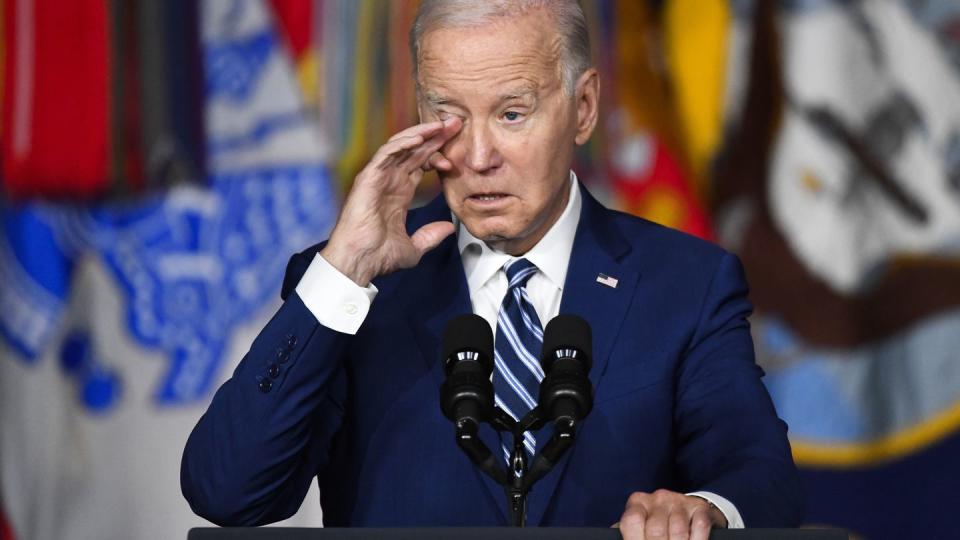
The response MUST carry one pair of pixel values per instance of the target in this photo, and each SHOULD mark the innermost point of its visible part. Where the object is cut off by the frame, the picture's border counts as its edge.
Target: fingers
(430, 235)
(395, 151)
(420, 148)
(423, 154)
(413, 147)
(657, 523)
(424, 130)
(700, 525)
(634, 520)
(666, 515)
(678, 524)
(437, 162)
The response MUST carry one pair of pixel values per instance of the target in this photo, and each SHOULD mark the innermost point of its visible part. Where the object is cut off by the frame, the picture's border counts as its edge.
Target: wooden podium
(485, 533)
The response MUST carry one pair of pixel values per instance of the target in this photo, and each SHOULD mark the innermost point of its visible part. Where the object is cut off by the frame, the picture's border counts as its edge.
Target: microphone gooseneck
(565, 398)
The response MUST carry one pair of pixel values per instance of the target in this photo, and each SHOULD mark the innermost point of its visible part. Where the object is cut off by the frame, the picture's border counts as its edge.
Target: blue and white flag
(119, 321)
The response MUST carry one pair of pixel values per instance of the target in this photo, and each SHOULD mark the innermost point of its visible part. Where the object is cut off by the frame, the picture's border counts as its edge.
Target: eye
(445, 115)
(512, 116)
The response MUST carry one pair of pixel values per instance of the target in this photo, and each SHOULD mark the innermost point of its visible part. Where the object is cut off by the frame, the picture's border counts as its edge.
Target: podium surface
(484, 533)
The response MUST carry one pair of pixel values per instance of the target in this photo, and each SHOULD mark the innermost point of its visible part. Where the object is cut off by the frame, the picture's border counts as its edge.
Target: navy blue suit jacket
(679, 401)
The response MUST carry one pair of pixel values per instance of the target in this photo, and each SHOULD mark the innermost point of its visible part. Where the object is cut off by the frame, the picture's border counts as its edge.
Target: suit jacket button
(291, 341)
(266, 385)
(274, 370)
(283, 355)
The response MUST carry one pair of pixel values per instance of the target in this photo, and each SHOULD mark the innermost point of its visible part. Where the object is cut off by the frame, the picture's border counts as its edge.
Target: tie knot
(518, 272)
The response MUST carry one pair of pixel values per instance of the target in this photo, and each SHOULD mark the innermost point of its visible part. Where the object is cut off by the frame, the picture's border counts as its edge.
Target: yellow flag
(695, 39)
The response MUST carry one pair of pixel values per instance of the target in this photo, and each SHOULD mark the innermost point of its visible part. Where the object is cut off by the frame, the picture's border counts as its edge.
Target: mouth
(487, 200)
(488, 196)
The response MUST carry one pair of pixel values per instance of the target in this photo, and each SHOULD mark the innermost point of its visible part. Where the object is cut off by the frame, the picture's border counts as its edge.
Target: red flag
(6, 531)
(56, 98)
(649, 182)
(295, 22)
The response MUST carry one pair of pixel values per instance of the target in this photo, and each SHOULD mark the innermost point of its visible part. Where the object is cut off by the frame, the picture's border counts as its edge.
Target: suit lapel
(438, 292)
(598, 248)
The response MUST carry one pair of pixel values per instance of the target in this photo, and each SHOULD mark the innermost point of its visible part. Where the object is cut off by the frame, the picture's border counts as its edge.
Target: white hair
(568, 15)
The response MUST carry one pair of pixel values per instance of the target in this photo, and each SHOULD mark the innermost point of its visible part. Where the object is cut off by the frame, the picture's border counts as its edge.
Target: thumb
(430, 235)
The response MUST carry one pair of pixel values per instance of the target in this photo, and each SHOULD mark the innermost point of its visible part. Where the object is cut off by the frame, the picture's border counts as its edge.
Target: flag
(837, 187)
(56, 141)
(119, 320)
(648, 165)
(132, 117)
(296, 21)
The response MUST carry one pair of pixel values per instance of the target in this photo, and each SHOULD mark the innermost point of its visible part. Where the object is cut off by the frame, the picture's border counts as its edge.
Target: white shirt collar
(551, 254)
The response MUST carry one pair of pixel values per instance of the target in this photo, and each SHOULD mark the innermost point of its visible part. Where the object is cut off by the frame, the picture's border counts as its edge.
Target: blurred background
(162, 160)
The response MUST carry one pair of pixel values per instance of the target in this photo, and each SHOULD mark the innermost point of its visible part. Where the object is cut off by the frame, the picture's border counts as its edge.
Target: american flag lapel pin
(607, 280)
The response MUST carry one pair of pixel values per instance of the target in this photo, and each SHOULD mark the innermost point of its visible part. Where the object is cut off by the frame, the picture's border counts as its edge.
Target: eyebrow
(437, 100)
(519, 94)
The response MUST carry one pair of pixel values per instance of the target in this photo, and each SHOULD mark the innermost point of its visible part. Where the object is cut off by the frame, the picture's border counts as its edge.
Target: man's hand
(668, 515)
(370, 238)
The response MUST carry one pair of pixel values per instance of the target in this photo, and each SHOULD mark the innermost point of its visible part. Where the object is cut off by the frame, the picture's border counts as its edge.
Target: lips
(488, 197)
(488, 201)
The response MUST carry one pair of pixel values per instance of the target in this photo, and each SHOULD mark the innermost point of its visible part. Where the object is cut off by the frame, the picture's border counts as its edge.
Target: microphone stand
(467, 398)
(518, 481)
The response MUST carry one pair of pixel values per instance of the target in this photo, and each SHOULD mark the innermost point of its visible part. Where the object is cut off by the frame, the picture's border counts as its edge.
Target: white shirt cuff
(729, 511)
(334, 299)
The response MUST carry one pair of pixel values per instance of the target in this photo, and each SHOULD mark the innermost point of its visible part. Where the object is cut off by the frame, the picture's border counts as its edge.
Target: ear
(587, 92)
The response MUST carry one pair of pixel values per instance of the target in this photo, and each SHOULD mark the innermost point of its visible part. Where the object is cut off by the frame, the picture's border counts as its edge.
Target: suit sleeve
(252, 455)
(730, 440)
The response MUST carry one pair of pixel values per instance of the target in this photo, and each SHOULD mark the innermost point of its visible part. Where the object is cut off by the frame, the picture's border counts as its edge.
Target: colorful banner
(120, 320)
(55, 141)
(838, 189)
(818, 139)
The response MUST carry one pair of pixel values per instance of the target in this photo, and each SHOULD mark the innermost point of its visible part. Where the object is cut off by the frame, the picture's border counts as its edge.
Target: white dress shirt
(488, 283)
(340, 304)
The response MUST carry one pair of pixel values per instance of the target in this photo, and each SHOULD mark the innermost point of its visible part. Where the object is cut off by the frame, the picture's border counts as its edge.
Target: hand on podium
(669, 515)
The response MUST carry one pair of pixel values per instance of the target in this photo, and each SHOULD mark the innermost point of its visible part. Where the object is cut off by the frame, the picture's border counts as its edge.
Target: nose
(481, 154)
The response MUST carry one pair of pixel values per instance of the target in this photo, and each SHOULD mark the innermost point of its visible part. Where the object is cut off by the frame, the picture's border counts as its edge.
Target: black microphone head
(567, 331)
(469, 333)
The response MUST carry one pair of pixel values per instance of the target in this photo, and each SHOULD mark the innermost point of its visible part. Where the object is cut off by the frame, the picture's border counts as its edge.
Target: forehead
(510, 55)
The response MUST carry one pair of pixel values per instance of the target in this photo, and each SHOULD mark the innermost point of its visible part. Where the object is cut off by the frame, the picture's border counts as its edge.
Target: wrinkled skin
(503, 150)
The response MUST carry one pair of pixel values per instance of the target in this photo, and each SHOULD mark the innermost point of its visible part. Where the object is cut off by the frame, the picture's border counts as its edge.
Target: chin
(488, 234)
(486, 227)
(493, 239)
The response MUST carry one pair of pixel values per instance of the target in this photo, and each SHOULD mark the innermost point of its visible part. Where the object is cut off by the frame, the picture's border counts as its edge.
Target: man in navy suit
(342, 384)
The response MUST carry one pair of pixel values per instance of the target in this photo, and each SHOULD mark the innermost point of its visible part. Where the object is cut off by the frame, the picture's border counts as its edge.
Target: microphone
(466, 396)
(566, 395)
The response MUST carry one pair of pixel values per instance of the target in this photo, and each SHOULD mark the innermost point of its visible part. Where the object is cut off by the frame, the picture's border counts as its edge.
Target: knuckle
(656, 529)
(701, 522)
(632, 520)
(637, 498)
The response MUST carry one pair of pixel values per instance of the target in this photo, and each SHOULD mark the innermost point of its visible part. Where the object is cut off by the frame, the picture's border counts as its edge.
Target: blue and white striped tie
(516, 379)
